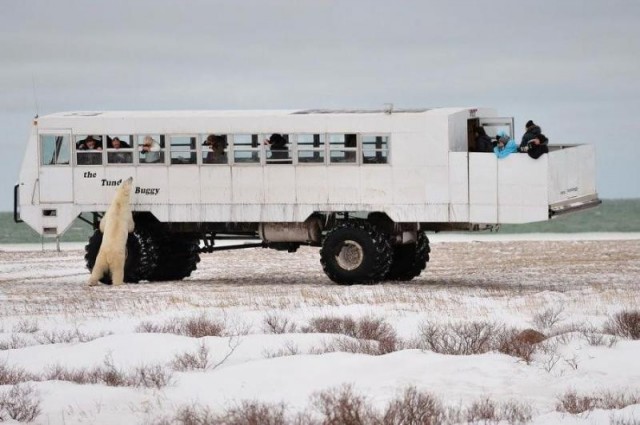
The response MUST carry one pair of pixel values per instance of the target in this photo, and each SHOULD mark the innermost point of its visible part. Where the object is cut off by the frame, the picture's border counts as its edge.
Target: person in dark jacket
(483, 142)
(538, 146)
(532, 132)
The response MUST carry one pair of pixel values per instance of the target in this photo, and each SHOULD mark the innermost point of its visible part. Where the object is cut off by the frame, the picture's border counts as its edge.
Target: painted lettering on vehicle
(147, 190)
(571, 189)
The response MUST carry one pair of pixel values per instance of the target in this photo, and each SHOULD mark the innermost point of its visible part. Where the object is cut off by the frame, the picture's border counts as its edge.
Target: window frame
(361, 137)
(131, 149)
(162, 139)
(103, 157)
(64, 134)
(233, 145)
(190, 151)
(202, 148)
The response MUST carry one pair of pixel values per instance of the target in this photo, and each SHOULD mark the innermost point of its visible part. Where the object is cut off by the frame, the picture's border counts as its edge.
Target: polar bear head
(124, 190)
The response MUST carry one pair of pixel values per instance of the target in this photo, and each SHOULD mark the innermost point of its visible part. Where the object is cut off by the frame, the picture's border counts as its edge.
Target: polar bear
(115, 226)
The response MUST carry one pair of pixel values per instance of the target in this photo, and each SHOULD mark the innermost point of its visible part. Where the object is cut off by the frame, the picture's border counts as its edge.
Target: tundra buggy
(363, 185)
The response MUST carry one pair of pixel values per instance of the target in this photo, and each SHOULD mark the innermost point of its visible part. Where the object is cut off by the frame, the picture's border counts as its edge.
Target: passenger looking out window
(505, 145)
(483, 141)
(532, 132)
(89, 151)
(118, 151)
(279, 150)
(151, 151)
(217, 153)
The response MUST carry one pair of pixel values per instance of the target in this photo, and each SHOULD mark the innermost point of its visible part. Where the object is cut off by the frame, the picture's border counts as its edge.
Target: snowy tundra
(265, 328)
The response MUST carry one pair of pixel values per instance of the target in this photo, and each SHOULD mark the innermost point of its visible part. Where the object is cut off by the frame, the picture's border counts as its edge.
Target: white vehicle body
(404, 171)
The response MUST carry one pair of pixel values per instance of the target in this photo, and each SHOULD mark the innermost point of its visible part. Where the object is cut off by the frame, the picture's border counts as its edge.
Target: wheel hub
(350, 255)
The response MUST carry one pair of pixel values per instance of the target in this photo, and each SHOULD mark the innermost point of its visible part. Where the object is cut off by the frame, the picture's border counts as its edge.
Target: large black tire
(409, 260)
(179, 256)
(355, 252)
(141, 257)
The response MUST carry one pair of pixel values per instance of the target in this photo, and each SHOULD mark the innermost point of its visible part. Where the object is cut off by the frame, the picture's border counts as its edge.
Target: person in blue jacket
(505, 145)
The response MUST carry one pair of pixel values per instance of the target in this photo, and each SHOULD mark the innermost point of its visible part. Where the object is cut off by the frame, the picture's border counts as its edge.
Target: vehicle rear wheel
(355, 252)
(141, 255)
(179, 256)
(409, 260)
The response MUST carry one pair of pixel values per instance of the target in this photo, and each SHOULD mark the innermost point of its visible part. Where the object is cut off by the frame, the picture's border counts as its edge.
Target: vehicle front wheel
(141, 256)
(355, 252)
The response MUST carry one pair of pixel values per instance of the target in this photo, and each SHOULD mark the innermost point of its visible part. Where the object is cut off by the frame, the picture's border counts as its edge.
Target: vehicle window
(119, 149)
(183, 149)
(311, 148)
(151, 148)
(246, 149)
(277, 148)
(375, 149)
(215, 149)
(343, 148)
(54, 149)
(89, 149)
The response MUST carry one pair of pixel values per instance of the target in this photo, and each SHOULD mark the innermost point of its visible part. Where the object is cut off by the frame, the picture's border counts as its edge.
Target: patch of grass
(369, 335)
(10, 375)
(154, 376)
(574, 403)
(195, 327)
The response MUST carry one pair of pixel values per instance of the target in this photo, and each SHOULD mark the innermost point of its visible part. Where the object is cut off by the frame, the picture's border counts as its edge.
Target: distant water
(614, 215)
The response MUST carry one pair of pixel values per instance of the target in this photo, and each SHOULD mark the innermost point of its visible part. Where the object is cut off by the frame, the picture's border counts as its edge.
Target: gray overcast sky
(573, 66)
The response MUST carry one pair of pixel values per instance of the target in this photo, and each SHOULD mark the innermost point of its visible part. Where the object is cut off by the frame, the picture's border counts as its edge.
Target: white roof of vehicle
(239, 113)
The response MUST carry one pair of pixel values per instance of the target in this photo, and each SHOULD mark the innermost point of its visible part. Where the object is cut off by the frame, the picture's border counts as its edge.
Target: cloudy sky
(573, 66)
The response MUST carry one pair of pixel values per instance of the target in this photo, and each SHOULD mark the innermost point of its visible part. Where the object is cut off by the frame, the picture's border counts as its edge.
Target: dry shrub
(571, 402)
(192, 360)
(254, 413)
(332, 325)
(460, 338)
(625, 324)
(16, 341)
(615, 420)
(363, 331)
(21, 403)
(26, 326)
(342, 406)
(515, 413)
(414, 407)
(484, 410)
(598, 339)
(67, 336)
(195, 327)
(278, 324)
(13, 375)
(548, 318)
(154, 376)
(487, 411)
(193, 415)
(478, 338)
(289, 349)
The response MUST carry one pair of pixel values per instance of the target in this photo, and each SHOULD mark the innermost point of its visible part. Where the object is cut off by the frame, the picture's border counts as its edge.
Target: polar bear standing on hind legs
(115, 226)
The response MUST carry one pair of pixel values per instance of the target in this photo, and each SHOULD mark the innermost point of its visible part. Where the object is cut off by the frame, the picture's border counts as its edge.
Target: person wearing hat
(279, 151)
(533, 131)
(505, 145)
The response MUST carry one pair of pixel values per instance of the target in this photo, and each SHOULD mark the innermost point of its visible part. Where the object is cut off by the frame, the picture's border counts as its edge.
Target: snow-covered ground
(580, 281)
